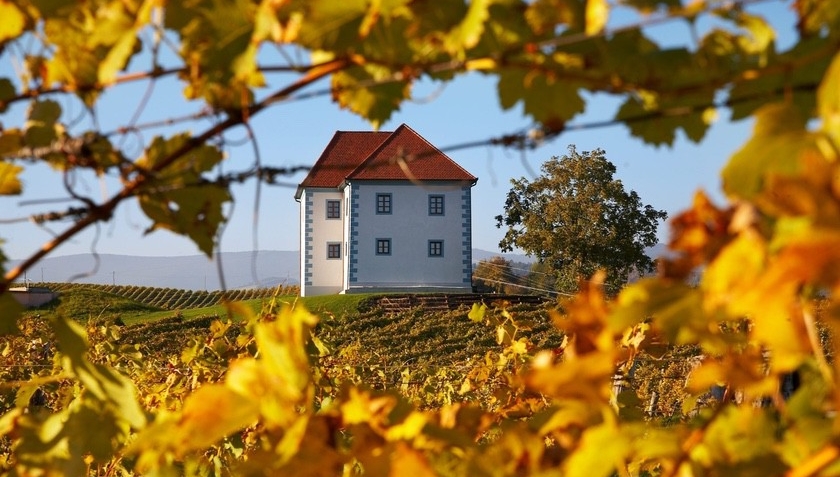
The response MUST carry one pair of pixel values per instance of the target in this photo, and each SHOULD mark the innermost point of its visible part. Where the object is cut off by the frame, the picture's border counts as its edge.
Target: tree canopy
(577, 218)
(496, 275)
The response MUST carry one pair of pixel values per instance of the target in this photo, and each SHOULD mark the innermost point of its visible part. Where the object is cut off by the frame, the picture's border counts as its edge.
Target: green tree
(577, 218)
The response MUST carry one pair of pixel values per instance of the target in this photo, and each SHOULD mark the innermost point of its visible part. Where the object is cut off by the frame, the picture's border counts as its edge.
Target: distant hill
(196, 272)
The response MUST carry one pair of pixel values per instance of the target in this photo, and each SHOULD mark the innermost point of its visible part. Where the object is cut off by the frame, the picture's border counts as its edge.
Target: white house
(385, 211)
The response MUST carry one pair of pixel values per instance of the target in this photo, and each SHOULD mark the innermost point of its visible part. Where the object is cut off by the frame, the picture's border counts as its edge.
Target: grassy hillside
(418, 337)
(352, 327)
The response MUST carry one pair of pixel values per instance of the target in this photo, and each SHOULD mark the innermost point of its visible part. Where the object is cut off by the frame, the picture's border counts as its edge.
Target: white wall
(410, 227)
(320, 275)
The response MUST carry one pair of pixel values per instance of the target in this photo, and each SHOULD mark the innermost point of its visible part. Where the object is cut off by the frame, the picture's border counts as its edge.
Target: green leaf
(51, 8)
(550, 101)
(11, 142)
(187, 211)
(545, 15)
(102, 153)
(816, 16)
(169, 197)
(45, 112)
(761, 33)
(675, 308)
(13, 22)
(7, 92)
(779, 137)
(331, 25)
(9, 179)
(359, 90)
(657, 117)
(650, 6)
(781, 79)
(183, 169)
(42, 128)
(10, 311)
(468, 32)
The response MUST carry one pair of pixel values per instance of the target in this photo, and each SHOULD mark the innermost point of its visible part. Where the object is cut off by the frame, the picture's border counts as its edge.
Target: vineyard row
(176, 299)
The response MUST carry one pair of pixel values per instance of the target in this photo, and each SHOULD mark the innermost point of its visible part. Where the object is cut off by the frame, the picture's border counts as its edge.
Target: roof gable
(377, 155)
(405, 155)
(343, 154)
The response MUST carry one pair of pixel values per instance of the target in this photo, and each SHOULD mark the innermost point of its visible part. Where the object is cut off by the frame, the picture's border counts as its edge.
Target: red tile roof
(343, 154)
(399, 155)
(406, 155)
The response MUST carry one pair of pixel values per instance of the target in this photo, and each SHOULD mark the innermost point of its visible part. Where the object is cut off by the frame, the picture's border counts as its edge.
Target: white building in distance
(385, 212)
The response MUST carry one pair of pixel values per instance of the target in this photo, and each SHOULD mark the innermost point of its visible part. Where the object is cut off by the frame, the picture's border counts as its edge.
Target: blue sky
(295, 133)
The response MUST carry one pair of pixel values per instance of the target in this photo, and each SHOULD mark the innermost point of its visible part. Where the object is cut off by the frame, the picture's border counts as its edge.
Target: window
(435, 248)
(383, 246)
(333, 209)
(383, 203)
(333, 250)
(435, 205)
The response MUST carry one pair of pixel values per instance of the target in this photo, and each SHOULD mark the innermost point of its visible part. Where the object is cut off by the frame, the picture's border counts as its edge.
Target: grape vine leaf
(370, 91)
(467, 34)
(779, 137)
(104, 383)
(168, 198)
(13, 21)
(602, 449)
(10, 310)
(544, 15)
(477, 312)
(597, 15)
(9, 179)
(828, 102)
(7, 92)
(41, 127)
(199, 424)
(549, 100)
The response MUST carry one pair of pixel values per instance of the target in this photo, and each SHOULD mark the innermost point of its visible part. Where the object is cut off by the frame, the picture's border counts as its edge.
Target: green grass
(82, 304)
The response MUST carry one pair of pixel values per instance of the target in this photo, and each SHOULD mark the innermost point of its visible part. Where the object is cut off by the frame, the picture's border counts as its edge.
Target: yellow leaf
(602, 450)
(828, 102)
(477, 312)
(209, 414)
(587, 378)
(481, 64)
(9, 181)
(408, 429)
(13, 21)
(779, 138)
(407, 461)
(357, 409)
(519, 346)
(117, 58)
(597, 16)
(734, 272)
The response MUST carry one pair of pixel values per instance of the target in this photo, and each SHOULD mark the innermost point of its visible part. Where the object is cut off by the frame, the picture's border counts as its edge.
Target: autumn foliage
(258, 401)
